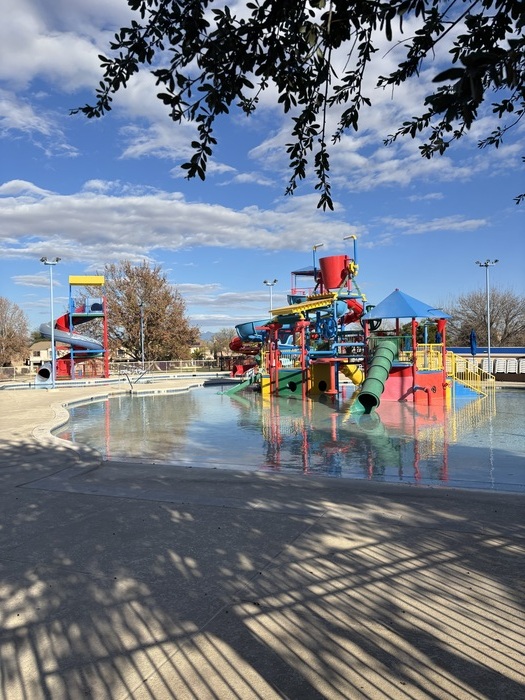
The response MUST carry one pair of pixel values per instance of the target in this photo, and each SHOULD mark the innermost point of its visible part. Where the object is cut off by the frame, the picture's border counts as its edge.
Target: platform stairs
(467, 372)
(247, 379)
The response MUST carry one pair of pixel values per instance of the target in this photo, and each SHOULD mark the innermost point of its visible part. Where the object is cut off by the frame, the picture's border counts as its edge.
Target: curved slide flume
(62, 333)
(82, 342)
(353, 372)
(374, 384)
(82, 345)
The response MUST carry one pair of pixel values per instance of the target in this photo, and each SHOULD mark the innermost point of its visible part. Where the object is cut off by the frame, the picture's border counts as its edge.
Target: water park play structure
(329, 330)
(85, 356)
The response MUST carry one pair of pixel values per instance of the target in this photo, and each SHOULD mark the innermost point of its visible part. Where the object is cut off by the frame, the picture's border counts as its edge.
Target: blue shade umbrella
(473, 343)
(401, 305)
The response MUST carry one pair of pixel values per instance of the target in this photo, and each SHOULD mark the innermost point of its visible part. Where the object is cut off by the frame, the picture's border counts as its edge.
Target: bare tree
(507, 318)
(220, 341)
(143, 291)
(14, 332)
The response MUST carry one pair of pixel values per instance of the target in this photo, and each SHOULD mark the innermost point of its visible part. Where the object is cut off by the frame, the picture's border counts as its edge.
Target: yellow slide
(353, 372)
(316, 301)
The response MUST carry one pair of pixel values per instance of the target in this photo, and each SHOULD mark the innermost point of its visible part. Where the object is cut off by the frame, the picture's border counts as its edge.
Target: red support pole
(414, 352)
(273, 359)
(106, 339)
(301, 327)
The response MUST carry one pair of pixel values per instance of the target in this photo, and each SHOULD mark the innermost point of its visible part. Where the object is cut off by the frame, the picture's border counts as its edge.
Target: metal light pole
(486, 265)
(315, 247)
(270, 284)
(352, 237)
(51, 264)
(141, 307)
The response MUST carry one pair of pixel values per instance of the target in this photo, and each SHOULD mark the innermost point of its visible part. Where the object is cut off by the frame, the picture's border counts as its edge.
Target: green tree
(507, 318)
(36, 336)
(14, 333)
(431, 330)
(208, 60)
(167, 332)
(198, 354)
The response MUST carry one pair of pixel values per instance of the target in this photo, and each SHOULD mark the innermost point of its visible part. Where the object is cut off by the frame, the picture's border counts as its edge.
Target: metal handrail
(469, 373)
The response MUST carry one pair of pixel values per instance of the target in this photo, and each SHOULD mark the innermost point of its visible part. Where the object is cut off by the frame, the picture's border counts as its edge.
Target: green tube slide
(242, 385)
(387, 451)
(237, 387)
(374, 384)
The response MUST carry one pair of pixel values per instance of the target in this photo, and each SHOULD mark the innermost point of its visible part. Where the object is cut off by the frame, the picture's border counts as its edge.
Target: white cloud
(19, 116)
(96, 224)
(39, 280)
(413, 225)
(199, 289)
(251, 178)
(430, 196)
(60, 40)
(15, 187)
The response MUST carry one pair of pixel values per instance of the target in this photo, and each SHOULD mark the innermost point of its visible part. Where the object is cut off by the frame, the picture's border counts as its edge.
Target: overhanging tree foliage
(168, 334)
(207, 59)
(14, 332)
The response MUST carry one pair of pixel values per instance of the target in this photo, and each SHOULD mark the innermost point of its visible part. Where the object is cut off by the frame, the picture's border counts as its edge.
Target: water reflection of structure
(399, 442)
(140, 428)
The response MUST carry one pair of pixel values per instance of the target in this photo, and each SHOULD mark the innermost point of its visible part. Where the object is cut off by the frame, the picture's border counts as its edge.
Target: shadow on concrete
(136, 581)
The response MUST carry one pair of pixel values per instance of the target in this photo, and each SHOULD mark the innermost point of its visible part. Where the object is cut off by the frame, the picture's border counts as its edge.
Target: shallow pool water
(477, 444)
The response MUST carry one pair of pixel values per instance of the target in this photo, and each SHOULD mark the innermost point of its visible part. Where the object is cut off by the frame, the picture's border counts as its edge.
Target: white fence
(8, 374)
(21, 373)
(512, 367)
(162, 366)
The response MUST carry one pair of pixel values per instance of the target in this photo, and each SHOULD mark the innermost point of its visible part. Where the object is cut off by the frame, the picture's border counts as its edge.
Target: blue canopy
(401, 305)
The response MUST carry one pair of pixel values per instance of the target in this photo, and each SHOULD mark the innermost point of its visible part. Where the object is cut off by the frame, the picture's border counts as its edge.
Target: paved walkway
(119, 581)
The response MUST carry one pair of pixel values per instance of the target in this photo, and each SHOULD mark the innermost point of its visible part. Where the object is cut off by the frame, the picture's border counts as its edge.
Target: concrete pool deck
(125, 581)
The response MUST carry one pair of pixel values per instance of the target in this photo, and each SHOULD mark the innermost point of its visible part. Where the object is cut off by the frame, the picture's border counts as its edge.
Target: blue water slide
(251, 332)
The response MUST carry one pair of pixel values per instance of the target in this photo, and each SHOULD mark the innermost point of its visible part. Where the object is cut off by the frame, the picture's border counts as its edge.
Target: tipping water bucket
(334, 270)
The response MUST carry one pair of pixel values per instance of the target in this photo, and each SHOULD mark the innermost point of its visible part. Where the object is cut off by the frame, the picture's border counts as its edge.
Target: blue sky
(96, 192)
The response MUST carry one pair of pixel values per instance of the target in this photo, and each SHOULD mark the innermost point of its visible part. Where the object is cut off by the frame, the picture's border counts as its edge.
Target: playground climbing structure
(85, 356)
(328, 330)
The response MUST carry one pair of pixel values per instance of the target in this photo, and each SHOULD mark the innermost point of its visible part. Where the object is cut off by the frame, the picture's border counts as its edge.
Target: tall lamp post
(486, 265)
(352, 237)
(51, 264)
(314, 249)
(271, 285)
(141, 307)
